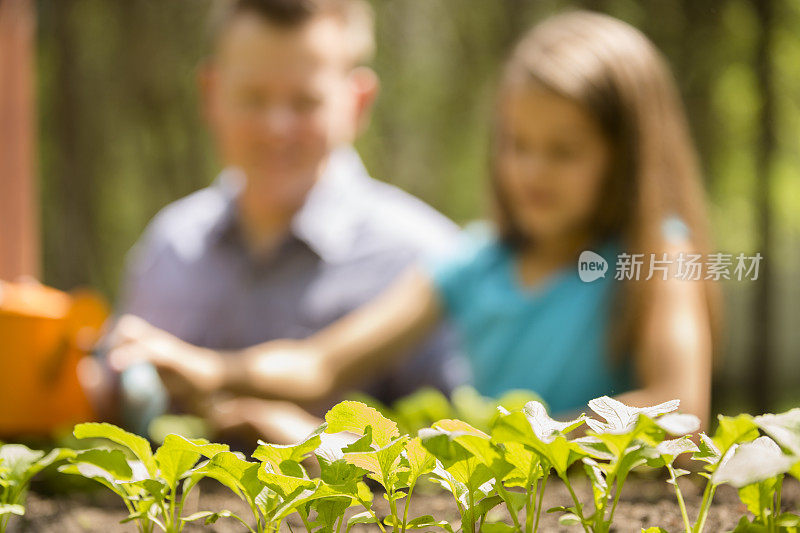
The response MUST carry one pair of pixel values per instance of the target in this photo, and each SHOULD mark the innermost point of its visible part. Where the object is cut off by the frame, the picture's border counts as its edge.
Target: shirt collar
(325, 222)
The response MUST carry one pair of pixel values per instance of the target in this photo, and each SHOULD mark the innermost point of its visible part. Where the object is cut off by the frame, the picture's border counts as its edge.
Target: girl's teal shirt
(552, 338)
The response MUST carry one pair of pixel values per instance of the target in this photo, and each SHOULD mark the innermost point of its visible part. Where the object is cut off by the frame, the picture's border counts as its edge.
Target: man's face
(278, 101)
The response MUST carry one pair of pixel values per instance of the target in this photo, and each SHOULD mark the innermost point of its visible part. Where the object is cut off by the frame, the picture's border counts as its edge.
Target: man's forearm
(280, 369)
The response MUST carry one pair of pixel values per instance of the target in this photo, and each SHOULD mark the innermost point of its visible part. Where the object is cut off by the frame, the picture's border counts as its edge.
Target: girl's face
(553, 162)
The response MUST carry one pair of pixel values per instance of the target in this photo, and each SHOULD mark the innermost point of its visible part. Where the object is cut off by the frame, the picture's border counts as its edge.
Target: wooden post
(19, 229)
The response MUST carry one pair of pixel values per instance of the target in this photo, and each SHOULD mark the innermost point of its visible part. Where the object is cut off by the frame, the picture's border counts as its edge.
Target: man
(292, 235)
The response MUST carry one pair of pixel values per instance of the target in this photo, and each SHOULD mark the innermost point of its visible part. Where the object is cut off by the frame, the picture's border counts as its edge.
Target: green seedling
(18, 465)
(153, 486)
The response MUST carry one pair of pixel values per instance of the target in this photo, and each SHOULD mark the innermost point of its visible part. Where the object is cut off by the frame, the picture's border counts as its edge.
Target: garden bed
(645, 502)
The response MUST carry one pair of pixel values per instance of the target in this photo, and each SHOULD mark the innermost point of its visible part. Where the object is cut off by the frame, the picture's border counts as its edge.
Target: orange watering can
(44, 333)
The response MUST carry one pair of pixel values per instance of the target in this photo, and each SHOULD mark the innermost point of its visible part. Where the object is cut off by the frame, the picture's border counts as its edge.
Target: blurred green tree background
(120, 135)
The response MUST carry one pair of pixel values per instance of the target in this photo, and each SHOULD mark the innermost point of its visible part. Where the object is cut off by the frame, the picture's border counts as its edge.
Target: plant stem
(539, 505)
(187, 488)
(529, 507)
(167, 526)
(305, 522)
(578, 506)
(374, 516)
(405, 510)
(471, 512)
(708, 496)
(393, 508)
(506, 496)
(679, 495)
(617, 494)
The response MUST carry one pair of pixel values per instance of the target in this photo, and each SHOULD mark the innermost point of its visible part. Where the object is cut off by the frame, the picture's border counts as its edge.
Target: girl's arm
(674, 359)
(337, 356)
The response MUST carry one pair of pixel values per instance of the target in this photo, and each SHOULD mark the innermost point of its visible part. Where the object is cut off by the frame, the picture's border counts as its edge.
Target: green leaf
(484, 505)
(497, 527)
(745, 526)
(381, 463)
(111, 461)
(420, 409)
(7, 508)
(545, 427)
(788, 520)
(202, 447)
(355, 417)
(441, 444)
(364, 444)
(707, 451)
(654, 529)
(284, 485)
(330, 509)
(211, 517)
(621, 418)
(758, 497)
(515, 427)
(784, 428)
(238, 475)
(476, 443)
(21, 464)
(734, 430)
(752, 462)
(178, 455)
(309, 495)
(569, 520)
(795, 470)
(644, 429)
(17, 459)
(418, 459)
(155, 488)
(293, 453)
(669, 450)
(598, 482)
(95, 473)
(365, 517)
(336, 471)
(526, 465)
(136, 444)
(678, 424)
(471, 406)
(421, 522)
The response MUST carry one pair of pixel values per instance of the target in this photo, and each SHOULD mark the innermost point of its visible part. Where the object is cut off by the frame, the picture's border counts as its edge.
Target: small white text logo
(591, 266)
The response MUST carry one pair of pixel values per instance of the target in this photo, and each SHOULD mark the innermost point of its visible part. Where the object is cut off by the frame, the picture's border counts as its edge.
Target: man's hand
(286, 369)
(190, 373)
(280, 369)
(249, 418)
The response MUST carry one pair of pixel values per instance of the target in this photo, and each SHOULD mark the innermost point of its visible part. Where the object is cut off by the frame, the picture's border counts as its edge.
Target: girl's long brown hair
(618, 76)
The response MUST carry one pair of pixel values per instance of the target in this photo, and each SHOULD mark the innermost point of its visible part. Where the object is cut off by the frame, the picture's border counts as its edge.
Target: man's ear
(366, 85)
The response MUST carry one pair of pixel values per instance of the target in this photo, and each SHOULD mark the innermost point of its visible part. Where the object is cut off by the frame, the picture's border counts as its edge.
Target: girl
(590, 152)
